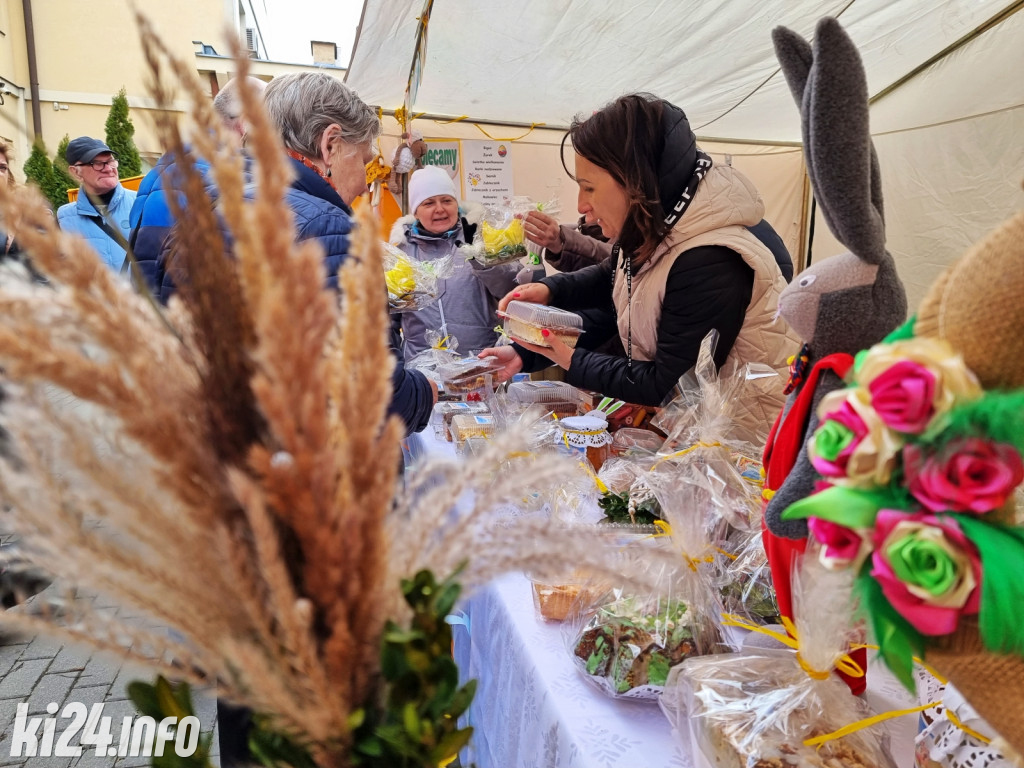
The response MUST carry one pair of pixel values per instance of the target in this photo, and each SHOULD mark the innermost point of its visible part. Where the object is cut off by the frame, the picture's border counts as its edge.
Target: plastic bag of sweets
(411, 284)
(500, 238)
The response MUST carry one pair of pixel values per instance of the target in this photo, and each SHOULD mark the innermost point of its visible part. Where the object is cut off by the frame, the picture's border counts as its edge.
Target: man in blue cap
(103, 204)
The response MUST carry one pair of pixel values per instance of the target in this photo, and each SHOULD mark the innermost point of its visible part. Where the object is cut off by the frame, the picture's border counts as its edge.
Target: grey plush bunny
(848, 302)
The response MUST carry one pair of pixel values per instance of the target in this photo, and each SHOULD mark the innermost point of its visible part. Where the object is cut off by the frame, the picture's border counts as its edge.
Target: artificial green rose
(831, 438)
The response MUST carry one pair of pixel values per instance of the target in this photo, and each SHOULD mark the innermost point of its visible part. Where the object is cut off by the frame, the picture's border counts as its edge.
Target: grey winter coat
(469, 298)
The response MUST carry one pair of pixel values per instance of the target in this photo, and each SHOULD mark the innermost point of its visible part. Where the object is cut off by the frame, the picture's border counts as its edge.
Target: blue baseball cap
(84, 150)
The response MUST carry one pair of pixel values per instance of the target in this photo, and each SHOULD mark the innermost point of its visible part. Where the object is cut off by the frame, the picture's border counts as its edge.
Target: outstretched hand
(511, 362)
(559, 352)
(543, 230)
(537, 293)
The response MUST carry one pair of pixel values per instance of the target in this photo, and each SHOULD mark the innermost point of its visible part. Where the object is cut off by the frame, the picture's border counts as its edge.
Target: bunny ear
(794, 54)
(837, 140)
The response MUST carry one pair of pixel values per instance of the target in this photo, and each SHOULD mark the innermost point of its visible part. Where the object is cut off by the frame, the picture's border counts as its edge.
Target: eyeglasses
(100, 165)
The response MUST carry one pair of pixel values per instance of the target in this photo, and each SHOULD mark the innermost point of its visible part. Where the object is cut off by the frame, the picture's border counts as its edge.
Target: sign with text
(447, 154)
(487, 171)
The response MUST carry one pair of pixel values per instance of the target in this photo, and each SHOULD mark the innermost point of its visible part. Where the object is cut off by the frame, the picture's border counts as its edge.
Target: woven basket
(992, 683)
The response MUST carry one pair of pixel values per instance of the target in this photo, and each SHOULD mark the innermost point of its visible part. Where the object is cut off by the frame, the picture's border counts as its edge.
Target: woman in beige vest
(683, 261)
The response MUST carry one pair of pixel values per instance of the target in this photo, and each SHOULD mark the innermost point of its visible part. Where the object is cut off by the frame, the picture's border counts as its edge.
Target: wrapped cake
(524, 321)
(784, 707)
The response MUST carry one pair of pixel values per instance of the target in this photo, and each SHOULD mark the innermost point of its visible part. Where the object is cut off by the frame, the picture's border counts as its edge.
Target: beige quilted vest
(726, 203)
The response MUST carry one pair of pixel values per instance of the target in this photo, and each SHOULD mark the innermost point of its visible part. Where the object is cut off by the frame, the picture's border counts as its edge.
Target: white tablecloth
(533, 709)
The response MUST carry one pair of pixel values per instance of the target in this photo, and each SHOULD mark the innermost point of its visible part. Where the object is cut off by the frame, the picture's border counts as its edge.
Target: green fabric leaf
(852, 507)
(898, 641)
(1001, 549)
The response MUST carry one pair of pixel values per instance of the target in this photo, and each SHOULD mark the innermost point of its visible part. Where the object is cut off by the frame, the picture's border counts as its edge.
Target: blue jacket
(320, 213)
(151, 218)
(83, 218)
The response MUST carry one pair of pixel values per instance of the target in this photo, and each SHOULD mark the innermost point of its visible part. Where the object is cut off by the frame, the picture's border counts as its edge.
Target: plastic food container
(630, 440)
(460, 377)
(444, 412)
(530, 392)
(525, 321)
(556, 601)
(465, 426)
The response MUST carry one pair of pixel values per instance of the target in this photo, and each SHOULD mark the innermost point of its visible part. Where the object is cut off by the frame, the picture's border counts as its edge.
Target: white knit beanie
(428, 182)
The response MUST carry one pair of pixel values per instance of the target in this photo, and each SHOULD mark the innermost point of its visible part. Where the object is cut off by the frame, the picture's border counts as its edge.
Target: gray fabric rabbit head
(847, 302)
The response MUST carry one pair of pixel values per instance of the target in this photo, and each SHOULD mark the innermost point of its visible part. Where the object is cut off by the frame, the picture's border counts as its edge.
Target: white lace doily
(943, 741)
(583, 432)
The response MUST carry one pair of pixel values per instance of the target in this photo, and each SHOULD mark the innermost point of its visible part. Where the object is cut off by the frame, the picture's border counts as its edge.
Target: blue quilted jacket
(151, 218)
(83, 218)
(320, 213)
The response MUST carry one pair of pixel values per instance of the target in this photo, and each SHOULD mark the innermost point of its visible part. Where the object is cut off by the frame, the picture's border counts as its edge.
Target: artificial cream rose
(901, 374)
(852, 446)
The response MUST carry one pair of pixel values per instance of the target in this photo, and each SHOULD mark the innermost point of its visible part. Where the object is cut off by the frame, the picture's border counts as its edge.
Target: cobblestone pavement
(40, 670)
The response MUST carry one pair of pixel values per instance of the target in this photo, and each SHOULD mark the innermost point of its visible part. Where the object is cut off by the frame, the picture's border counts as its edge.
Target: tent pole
(355, 41)
(994, 21)
(803, 259)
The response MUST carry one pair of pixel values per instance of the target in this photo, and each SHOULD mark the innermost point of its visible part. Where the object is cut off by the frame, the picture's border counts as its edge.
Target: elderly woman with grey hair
(328, 133)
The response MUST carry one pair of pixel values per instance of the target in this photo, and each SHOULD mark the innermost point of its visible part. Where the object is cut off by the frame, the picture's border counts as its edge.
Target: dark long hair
(626, 139)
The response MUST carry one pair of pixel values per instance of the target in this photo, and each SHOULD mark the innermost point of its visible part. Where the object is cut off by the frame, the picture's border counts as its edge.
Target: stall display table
(532, 706)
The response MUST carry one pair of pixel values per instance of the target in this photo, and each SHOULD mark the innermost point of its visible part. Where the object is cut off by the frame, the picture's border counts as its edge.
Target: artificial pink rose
(903, 396)
(842, 547)
(852, 446)
(968, 475)
(927, 568)
(933, 370)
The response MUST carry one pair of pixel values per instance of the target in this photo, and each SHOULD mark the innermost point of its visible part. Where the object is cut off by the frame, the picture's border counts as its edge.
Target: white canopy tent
(947, 78)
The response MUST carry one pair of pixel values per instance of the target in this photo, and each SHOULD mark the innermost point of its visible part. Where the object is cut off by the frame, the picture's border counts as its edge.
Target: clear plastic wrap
(524, 321)
(717, 406)
(467, 375)
(443, 350)
(443, 413)
(747, 589)
(552, 208)
(700, 446)
(411, 284)
(761, 707)
(628, 646)
(500, 238)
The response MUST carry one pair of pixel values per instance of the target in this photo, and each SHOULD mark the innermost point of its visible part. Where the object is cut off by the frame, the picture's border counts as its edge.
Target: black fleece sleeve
(707, 287)
(587, 288)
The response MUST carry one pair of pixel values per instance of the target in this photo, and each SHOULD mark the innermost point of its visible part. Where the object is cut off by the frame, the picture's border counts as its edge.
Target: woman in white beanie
(438, 227)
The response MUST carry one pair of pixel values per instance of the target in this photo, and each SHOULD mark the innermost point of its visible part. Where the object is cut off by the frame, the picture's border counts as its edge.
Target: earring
(328, 172)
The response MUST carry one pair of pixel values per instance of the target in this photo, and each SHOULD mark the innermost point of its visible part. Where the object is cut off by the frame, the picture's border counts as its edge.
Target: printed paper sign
(487, 171)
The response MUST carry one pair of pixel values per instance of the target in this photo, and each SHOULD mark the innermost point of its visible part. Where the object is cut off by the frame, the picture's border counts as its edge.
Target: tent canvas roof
(544, 61)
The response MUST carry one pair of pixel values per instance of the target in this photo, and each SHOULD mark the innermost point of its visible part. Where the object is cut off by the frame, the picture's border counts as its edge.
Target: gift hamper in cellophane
(768, 708)
(627, 646)
(746, 581)
(500, 238)
(525, 321)
(412, 285)
(443, 350)
(701, 442)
